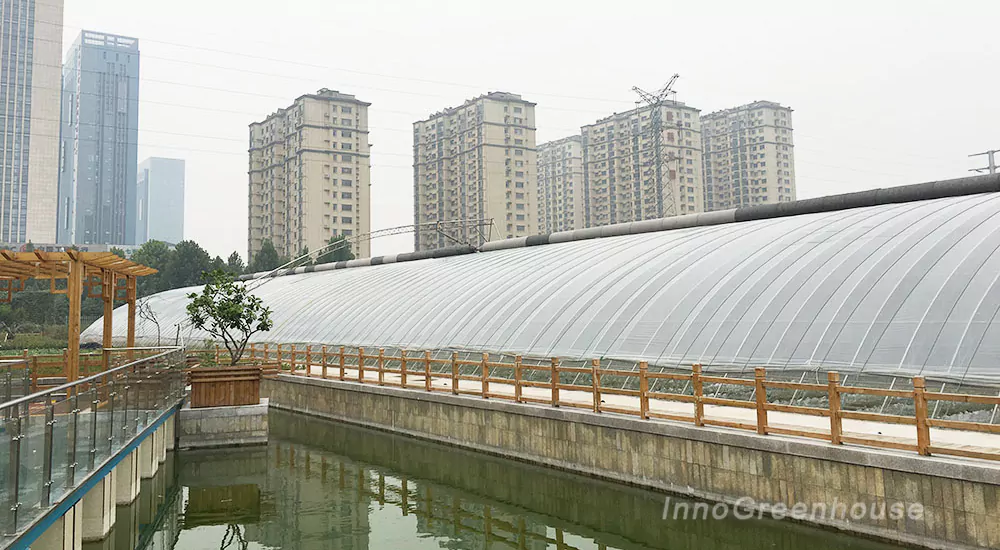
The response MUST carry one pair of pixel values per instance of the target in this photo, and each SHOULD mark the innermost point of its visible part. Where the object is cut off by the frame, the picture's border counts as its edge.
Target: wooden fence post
(267, 354)
(454, 372)
(402, 368)
(325, 359)
(281, 360)
(216, 355)
(643, 390)
(294, 365)
(309, 360)
(381, 366)
(517, 379)
(555, 381)
(833, 395)
(342, 363)
(699, 406)
(486, 375)
(361, 365)
(920, 411)
(427, 370)
(595, 381)
(760, 392)
(253, 352)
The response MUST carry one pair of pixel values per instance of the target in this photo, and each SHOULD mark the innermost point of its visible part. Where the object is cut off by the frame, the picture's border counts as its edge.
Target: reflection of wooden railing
(419, 370)
(443, 512)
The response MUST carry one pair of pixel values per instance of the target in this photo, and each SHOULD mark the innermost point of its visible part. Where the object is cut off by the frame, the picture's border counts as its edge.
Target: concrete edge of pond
(596, 444)
(217, 427)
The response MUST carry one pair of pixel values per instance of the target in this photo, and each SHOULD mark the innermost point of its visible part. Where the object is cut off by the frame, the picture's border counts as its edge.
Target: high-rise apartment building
(620, 168)
(749, 156)
(160, 205)
(310, 175)
(30, 57)
(560, 185)
(99, 141)
(473, 164)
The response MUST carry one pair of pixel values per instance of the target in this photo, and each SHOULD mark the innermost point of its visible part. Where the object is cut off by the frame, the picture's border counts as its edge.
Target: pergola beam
(77, 267)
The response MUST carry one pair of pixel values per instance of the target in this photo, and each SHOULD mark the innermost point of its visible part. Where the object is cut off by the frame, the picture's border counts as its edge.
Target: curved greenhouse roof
(898, 288)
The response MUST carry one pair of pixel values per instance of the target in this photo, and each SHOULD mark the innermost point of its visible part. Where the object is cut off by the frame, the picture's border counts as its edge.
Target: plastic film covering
(896, 289)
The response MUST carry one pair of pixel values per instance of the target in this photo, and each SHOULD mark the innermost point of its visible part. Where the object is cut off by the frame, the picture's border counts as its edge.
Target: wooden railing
(50, 370)
(422, 371)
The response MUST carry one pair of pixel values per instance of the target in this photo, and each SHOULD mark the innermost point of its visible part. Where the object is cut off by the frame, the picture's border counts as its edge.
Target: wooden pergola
(103, 275)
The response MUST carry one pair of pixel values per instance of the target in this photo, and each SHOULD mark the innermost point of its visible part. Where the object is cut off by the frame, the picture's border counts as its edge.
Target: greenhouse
(899, 288)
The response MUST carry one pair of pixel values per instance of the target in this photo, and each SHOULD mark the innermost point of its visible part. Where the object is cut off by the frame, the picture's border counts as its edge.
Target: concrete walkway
(895, 433)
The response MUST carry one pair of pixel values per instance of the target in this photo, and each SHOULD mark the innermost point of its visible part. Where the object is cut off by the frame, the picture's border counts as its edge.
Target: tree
(146, 313)
(218, 263)
(235, 264)
(186, 265)
(265, 260)
(341, 252)
(155, 254)
(117, 251)
(227, 311)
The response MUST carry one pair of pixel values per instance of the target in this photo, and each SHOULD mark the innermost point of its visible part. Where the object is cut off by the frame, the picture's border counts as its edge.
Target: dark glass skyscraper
(99, 137)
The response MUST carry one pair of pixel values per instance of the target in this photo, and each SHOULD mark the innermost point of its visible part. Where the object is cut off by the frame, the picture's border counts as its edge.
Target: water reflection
(320, 485)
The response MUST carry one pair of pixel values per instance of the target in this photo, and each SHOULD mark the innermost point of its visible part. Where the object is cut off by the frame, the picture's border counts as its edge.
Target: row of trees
(184, 265)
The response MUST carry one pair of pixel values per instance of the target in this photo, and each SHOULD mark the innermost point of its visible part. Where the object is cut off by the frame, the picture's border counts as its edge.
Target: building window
(346, 207)
(346, 110)
(347, 195)
(346, 220)
(347, 183)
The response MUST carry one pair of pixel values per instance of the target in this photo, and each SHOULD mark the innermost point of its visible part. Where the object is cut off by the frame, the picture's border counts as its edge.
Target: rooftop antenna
(665, 192)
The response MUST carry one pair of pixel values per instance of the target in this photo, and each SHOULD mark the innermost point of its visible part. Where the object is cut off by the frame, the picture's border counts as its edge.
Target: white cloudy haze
(885, 92)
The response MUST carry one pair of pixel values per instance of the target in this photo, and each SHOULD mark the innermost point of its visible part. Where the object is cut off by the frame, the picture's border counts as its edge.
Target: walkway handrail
(89, 379)
(55, 440)
(691, 397)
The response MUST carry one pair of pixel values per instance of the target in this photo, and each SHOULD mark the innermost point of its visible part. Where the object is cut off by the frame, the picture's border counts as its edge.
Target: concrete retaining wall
(222, 426)
(960, 498)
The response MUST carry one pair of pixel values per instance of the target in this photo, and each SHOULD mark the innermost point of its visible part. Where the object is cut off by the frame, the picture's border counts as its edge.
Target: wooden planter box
(225, 387)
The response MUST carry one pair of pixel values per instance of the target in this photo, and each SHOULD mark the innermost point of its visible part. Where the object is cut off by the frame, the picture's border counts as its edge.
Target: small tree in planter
(228, 312)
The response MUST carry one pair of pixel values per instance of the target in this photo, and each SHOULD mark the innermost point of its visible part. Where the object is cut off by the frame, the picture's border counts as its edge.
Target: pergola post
(130, 298)
(74, 287)
(108, 283)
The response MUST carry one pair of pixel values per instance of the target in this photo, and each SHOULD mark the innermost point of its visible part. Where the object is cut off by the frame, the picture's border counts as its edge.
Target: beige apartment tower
(310, 175)
(475, 171)
(619, 165)
(31, 67)
(749, 156)
(560, 185)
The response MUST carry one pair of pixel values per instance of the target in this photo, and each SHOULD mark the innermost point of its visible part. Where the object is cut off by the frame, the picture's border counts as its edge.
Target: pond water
(323, 485)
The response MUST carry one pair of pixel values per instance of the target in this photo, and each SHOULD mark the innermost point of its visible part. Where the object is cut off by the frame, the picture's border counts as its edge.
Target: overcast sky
(885, 92)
